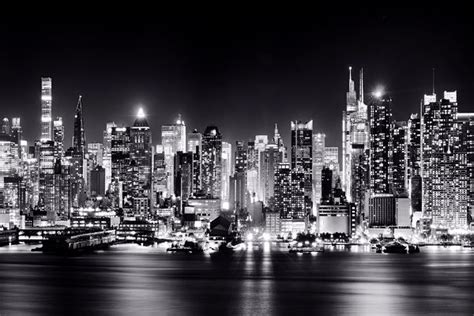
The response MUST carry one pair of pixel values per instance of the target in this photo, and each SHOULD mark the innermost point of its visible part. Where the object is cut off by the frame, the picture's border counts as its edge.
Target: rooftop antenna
(434, 70)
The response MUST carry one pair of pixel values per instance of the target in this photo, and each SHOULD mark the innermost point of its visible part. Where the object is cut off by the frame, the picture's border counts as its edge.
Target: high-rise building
(120, 158)
(160, 177)
(261, 142)
(140, 158)
(47, 187)
(97, 182)
(238, 190)
(331, 159)
(226, 170)
(107, 153)
(183, 174)
(326, 185)
(355, 146)
(319, 146)
(240, 157)
(467, 143)
(252, 170)
(78, 138)
(194, 141)
(211, 162)
(6, 127)
(282, 189)
(270, 158)
(96, 153)
(17, 135)
(444, 164)
(302, 162)
(58, 135)
(414, 162)
(173, 139)
(381, 146)
(46, 109)
(399, 157)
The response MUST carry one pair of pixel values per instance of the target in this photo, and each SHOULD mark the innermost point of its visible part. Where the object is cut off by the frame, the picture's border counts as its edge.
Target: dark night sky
(242, 74)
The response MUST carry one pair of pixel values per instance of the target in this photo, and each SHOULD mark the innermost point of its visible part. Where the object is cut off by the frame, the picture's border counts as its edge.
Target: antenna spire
(361, 85)
(434, 73)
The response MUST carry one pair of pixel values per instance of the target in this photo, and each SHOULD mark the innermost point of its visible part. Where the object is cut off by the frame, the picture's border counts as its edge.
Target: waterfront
(131, 279)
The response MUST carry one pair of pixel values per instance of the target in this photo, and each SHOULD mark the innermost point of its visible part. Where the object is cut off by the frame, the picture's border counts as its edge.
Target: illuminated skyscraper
(399, 157)
(6, 127)
(283, 190)
(355, 145)
(78, 138)
(302, 164)
(270, 158)
(107, 153)
(444, 164)
(183, 174)
(46, 109)
(319, 146)
(47, 179)
(58, 135)
(381, 146)
(211, 162)
(226, 170)
(261, 142)
(467, 142)
(414, 162)
(173, 139)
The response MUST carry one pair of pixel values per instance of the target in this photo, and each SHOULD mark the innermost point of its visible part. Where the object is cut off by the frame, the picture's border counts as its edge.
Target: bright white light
(378, 94)
(140, 113)
(226, 205)
(46, 98)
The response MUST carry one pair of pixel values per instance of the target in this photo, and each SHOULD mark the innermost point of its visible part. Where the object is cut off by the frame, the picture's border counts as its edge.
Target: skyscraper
(140, 158)
(319, 146)
(173, 139)
(6, 126)
(226, 170)
(270, 158)
(444, 164)
(414, 162)
(399, 168)
(261, 142)
(46, 109)
(58, 135)
(78, 138)
(211, 162)
(355, 145)
(302, 160)
(183, 173)
(107, 153)
(283, 190)
(381, 146)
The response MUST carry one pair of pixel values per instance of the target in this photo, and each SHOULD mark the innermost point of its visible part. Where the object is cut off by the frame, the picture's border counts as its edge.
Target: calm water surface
(265, 279)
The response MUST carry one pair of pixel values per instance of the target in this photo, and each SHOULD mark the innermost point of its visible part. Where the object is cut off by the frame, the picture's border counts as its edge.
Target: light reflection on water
(265, 279)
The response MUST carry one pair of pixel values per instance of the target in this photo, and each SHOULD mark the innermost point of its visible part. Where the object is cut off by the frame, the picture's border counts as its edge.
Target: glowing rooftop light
(140, 113)
(378, 94)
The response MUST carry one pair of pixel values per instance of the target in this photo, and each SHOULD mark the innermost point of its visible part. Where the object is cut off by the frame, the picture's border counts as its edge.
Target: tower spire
(434, 73)
(361, 85)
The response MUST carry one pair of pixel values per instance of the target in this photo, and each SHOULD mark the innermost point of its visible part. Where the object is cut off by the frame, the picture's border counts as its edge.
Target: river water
(263, 280)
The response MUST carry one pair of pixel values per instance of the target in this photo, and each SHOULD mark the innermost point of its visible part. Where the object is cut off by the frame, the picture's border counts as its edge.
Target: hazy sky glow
(241, 74)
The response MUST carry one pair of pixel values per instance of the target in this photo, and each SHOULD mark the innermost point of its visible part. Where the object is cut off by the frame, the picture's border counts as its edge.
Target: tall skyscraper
(283, 190)
(194, 142)
(173, 139)
(195, 146)
(107, 153)
(17, 134)
(381, 146)
(47, 162)
(302, 160)
(183, 173)
(270, 158)
(319, 146)
(141, 159)
(261, 142)
(444, 164)
(46, 109)
(159, 175)
(399, 157)
(78, 138)
(58, 135)
(355, 145)
(211, 162)
(467, 143)
(226, 170)
(414, 162)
